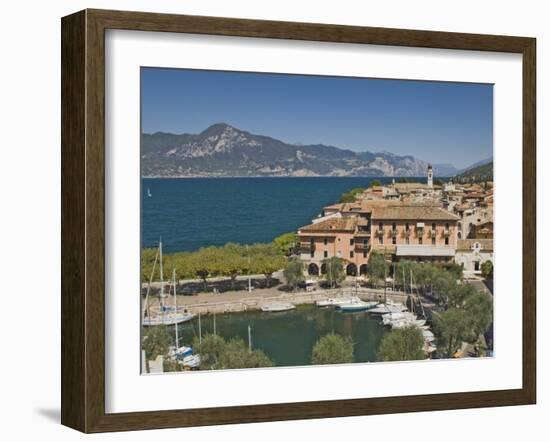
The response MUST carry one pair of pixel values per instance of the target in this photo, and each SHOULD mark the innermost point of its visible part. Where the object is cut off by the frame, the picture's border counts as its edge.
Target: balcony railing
(379, 232)
(393, 233)
(362, 233)
(432, 234)
(447, 233)
(306, 248)
(360, 247)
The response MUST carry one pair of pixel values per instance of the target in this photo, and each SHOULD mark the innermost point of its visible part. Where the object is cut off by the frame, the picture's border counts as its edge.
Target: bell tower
(430, 176)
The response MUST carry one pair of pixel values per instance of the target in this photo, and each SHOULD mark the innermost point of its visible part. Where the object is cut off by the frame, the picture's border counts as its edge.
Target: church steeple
(430, 176)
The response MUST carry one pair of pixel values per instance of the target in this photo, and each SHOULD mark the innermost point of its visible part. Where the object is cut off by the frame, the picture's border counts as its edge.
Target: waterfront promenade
(242, 300)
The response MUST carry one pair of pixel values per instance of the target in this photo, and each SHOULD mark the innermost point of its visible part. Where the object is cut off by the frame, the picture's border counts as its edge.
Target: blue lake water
(189, 213)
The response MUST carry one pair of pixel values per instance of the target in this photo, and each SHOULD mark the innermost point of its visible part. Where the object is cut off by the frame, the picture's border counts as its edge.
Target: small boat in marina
(149, 194)
(336, 302)
(390, 318)
(277, 307)
(180, 353)
(419, 323)
(167, 319)
(382, 309)
(191, 361)
(357, 306)
(329, 302)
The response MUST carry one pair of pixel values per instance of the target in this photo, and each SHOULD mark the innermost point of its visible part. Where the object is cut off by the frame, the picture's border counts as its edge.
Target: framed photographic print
(267, 221)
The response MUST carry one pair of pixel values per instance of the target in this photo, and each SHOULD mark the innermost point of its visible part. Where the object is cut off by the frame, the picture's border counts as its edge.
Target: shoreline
(242, 301)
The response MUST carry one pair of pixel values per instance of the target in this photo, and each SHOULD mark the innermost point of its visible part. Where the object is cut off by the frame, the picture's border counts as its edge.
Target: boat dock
(205, 303)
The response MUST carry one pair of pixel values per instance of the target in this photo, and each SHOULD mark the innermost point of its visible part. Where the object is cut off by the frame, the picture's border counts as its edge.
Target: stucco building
(472, 253)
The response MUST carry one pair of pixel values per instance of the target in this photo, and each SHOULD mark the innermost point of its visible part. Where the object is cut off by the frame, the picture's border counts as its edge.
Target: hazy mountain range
(222, 151)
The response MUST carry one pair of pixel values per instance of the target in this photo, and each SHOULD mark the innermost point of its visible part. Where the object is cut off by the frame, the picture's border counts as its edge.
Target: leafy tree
(217, 353)
(287, 242)
(458, 295)
(377, 268)
(487, 270)
(402, 270)
(267, 265)
(294, 272)
(403, 180)
(232, 265)
(156, 342)
(207, 262)
(374, 183)
(479, 310)
(332, 349)
(452, 327)
(350, 197)
(438, 182)
(147, 261)
(404, 344)
(335, 270)
(171, 365)
(237, 355)
(443, 284)
(210, 348)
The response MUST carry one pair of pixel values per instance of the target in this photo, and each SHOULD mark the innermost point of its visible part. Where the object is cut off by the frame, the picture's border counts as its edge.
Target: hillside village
(424, 222)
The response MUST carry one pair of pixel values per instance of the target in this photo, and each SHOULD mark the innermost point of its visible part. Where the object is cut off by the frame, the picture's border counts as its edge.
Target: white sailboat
(149, 194)
(357, 305)
(166, 315)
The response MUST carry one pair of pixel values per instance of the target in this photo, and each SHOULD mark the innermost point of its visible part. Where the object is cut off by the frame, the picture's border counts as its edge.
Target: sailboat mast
(175, 306)
(249, 339)
(161, 280)
(200, 331)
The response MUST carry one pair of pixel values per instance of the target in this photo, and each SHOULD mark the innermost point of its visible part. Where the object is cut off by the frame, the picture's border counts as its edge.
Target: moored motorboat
(277, 307)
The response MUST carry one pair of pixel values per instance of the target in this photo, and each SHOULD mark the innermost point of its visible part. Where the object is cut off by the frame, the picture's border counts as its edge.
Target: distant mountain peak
(218, 128)
(224, 150)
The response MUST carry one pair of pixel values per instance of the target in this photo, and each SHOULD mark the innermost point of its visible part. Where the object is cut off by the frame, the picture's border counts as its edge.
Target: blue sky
(439, 122)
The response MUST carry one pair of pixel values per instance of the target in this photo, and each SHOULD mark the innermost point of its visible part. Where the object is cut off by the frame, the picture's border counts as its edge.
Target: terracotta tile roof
(367, 206)
(345, 223)
(410, 186)
(463, 206)
(417, 212)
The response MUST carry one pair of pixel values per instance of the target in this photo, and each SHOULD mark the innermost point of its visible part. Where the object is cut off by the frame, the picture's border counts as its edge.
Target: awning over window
(421, 250)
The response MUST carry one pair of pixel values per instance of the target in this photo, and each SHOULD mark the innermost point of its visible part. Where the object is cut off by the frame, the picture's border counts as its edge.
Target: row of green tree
(219, 353)
(230, 260)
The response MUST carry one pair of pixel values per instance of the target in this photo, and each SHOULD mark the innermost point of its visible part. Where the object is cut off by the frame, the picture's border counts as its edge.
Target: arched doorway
(351, 270)
(323, 269)
(363, 269)
(313, 269)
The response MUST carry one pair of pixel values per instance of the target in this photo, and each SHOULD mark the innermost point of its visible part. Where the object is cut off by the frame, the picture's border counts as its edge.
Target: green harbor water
(288, 337)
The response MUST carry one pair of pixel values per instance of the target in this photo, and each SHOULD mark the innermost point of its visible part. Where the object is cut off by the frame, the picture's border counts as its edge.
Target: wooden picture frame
(83, 220)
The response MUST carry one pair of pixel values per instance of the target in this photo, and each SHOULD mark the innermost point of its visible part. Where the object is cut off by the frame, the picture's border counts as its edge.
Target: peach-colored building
(346, 237)
(424, 233)
(350, 231)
